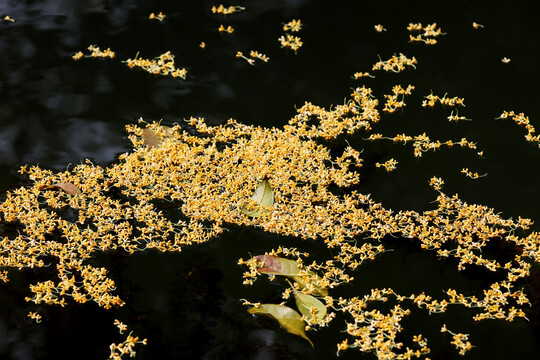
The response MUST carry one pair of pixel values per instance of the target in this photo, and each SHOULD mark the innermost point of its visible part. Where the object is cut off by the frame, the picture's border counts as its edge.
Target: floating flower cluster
(389, 165)
(160, 17)
(229, 29)
(162, 65)
(523, 121)
(422, 143)
(379, 28)
(64, 219)
(289, 40)
(127, 346)
(227, 10)
(359, 75)
(293, 26)
(446, 101)
(460, 341)
(96, 52)
(392, 103)
(426, 34)
(470, 174)
(395, 63)
(254, 55)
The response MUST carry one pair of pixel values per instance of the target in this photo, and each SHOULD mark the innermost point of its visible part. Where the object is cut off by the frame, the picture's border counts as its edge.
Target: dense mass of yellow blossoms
(211, 172)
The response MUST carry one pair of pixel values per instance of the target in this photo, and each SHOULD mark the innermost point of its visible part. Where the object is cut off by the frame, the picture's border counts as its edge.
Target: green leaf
(305, 302)
(288, 318)
(263, 196)
(277, 266)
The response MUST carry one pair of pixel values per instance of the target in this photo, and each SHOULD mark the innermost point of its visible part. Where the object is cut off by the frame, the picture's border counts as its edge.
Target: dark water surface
(55, 111)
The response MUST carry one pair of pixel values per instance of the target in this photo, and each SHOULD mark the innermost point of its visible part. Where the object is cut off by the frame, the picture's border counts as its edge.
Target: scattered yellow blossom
(227, 10)
(293, 26)
(159, 17)
(162, 65)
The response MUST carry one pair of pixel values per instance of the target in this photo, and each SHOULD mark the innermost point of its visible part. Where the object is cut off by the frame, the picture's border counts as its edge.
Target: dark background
(55, 111)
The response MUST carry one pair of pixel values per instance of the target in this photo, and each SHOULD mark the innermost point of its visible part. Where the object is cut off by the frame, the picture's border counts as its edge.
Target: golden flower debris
(426, 34)
(35, 316)
(505, 60)
(95, 52)
(522, 121)
(127, 347)
(8, 18)
(392, 103)
(460, 341)
(291, 41)
(293, 26)
(212, 171)
(379, 28)
(454, 116)
(470, 174)
(395, 63)
(422, 143)
(389, 165)
(359, 75)
(222, 10)
(162, 65)
(222, 29)
(288, 40)
(477, 26)
(254, 55)
(432, 100)
(160, 17)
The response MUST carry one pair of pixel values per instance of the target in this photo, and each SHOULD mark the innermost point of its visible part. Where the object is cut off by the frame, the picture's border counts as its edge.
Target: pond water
(55, 111)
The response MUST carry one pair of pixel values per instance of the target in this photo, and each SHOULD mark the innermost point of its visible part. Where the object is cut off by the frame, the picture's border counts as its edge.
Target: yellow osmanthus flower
(379, 28)
(35, 316)
(523, 121)
(95, 52)
(160, 17)
(425, 34)
(476, 25)
(291, 41)
(127, 347)
(211, 173)
(395, 101)
(254, 55)
(395, 63)
(229, 29)
(162, 65)
(359, 75)
(470, 174)
(8, 18)
(293, 26)
(227, 10)
(434, 99)
(389, 165)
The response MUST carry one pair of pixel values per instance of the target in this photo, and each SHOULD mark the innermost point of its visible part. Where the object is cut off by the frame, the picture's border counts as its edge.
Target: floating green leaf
(288, 318)
(277, 266)
(306, 302)
(263, 196)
